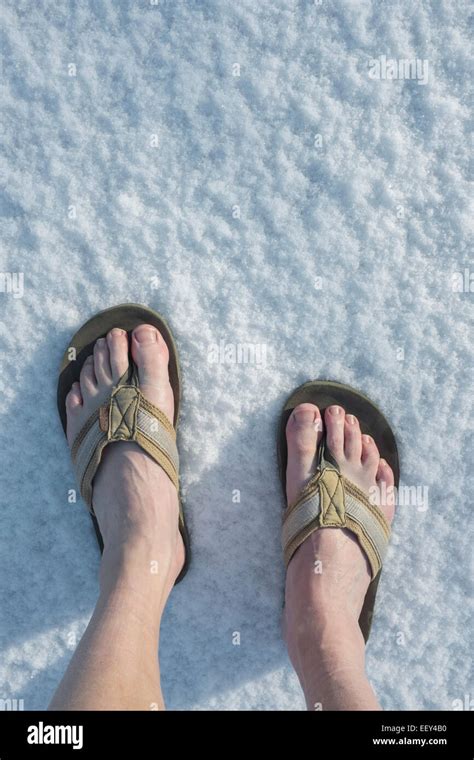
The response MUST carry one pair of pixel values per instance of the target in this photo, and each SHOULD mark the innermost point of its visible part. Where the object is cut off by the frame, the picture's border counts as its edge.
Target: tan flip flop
(127, 415)
(330, 499)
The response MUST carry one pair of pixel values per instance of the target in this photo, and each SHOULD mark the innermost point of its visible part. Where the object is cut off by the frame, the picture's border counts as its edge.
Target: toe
(303, 433)
(385, 482)
(74, 398)
(334, 422)
(385, 473)
(352, 438)
(150, 354)
(117, 341)
(370, 455)
(102, 369)
(74, 409)
(88, 380)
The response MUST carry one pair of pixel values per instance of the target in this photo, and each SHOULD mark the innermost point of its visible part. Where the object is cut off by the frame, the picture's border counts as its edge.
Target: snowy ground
(238, 167)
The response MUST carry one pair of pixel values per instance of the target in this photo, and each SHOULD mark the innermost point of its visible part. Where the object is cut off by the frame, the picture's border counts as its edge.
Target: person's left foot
(135, 503)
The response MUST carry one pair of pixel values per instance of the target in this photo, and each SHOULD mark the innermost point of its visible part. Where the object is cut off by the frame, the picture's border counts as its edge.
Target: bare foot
(323, 605)
(135, 502)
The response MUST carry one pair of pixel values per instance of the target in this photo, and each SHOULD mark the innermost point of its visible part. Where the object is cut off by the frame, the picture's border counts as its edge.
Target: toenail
(351, 419)
(303, 415)
(367, 439)
(100, 341)
(145, 334)
(116, 332)
(335, 409)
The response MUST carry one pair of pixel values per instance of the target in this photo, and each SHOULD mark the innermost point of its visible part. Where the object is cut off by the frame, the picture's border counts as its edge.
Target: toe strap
(331, 501)
(127, 416)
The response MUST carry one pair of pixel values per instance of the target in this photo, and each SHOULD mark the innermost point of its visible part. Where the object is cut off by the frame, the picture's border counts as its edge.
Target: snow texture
(240, 168)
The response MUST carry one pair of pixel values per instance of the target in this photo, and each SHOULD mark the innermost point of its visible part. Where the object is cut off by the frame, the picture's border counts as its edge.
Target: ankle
(323, 643)
(134, 510)
(140, 566)
(324, 633)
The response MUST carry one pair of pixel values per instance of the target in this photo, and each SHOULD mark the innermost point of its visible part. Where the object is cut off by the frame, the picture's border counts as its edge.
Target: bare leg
(328, 576)
(116, 663)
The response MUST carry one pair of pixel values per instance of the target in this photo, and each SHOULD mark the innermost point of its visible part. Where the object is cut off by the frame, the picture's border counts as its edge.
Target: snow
(234, 166)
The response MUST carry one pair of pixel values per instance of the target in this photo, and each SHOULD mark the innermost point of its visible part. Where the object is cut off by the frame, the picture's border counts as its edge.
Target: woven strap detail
(127, 416)
(331, 501)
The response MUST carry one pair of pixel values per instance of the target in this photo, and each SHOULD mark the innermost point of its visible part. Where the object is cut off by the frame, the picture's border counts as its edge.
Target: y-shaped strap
(126, 416)
(331, 501)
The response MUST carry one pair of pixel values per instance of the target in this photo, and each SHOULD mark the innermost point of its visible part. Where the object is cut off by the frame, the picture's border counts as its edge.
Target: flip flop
(127, 415)
(329, 499)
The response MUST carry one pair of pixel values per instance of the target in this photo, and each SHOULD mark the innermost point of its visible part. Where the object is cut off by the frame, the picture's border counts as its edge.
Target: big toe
(303, 433)
(150, 354)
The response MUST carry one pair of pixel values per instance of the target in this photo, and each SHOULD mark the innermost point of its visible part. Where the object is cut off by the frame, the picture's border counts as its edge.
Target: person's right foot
(328, 576)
